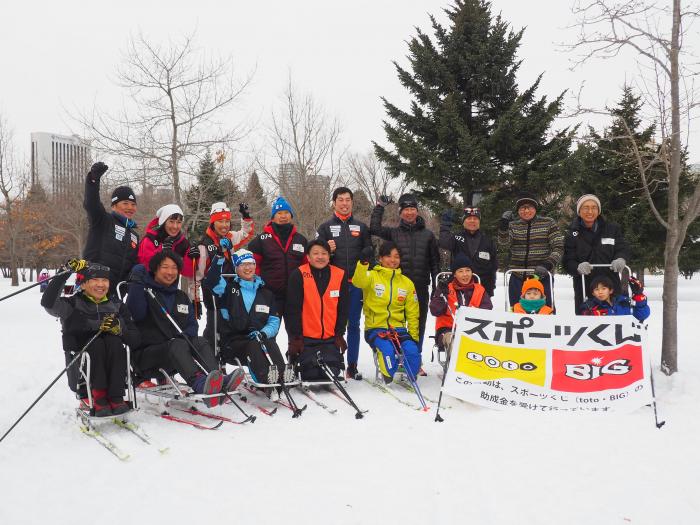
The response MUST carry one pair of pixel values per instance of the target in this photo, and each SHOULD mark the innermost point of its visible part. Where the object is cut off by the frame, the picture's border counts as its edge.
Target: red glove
(340, 343)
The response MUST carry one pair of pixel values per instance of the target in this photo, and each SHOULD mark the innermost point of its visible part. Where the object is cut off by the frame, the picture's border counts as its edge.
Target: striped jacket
(533, 243)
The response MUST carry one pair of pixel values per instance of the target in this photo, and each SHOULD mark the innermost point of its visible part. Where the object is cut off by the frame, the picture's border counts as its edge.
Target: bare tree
(371, 177)
(175, 99)
(13, 183)
(303, 157)
(654, 32)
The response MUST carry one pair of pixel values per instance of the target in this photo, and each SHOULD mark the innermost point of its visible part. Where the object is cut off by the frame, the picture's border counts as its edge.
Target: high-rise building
(59, 162)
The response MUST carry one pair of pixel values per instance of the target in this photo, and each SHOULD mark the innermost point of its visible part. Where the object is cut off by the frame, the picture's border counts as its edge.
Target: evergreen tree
(255, 197)
(469, 127)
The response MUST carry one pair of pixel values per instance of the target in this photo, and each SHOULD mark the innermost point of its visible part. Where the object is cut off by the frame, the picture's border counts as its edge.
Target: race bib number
(485, 255)
(183, 308)
(262, 308)
(298, 248)
(607, 240)
(335, 293)
(335, 231)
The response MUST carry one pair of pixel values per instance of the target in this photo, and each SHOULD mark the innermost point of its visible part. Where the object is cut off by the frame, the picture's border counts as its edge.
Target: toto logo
(492, 362)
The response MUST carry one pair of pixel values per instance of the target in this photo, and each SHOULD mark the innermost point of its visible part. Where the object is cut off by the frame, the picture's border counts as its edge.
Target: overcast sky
(63, 55)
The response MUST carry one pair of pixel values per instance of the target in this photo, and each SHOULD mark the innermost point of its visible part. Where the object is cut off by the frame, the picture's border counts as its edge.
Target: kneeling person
(316, 313)
(162, 344)
(248, 320)
(82, 315)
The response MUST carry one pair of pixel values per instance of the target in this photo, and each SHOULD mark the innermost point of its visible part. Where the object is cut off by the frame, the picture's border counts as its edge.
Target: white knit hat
(587, 197)
(168, 211)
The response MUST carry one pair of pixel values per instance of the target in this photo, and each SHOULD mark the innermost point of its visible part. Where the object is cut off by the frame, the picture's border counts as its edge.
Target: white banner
(548, 363)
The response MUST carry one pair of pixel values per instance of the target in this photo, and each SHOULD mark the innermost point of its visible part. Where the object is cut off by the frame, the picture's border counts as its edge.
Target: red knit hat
(219, 212)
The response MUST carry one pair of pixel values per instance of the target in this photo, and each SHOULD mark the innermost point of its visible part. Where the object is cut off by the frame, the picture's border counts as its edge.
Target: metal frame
(506, 276)
(583, 277)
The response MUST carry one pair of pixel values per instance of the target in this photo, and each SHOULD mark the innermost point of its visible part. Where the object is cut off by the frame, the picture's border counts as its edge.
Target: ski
(196, 412)
(190, 422)
(136, 429)
(402, 382)
(307, 392)
(384, 389)
(90, 431)
(295, 411)
(261, 408)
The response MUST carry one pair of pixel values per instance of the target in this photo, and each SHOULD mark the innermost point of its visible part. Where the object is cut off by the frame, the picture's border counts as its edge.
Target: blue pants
(515, 285)
(387, 359)
(354, 313)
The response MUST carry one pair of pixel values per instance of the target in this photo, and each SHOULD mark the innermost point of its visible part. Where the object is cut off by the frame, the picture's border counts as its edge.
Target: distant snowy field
(394, 466)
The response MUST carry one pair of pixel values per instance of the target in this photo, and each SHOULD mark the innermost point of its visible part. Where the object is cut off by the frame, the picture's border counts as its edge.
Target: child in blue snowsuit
(603, 301)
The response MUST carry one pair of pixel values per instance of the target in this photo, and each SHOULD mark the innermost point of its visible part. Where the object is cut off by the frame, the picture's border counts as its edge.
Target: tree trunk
(669, 337)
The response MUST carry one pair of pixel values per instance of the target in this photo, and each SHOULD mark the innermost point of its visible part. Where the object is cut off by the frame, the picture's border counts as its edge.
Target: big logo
(485, 361)
(595, 370)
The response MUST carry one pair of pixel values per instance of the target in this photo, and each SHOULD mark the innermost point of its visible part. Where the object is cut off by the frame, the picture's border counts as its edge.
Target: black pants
(280, 302)
(423, 300)
(108, 365)
(308, 361)
(177, 355)
(250, 353)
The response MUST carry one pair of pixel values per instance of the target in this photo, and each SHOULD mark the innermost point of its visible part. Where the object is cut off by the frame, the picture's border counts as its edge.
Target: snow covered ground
(394, 466)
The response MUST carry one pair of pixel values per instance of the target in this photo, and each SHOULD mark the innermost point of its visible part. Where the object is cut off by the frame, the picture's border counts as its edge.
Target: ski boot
(352, 373)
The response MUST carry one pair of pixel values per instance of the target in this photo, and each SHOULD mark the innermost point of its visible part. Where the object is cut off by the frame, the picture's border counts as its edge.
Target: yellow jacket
(389, 298)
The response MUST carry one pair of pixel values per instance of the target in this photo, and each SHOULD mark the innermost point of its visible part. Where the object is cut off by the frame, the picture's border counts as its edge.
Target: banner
(548, 363)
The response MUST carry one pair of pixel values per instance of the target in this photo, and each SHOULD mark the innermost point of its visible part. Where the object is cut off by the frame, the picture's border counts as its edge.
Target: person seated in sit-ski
(532, 299)
(605, 302)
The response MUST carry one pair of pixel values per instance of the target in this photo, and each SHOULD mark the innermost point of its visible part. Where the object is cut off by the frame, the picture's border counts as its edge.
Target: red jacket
(151, 244)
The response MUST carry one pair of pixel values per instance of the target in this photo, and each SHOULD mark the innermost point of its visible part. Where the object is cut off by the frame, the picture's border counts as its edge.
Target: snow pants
(250, 352)
(423, 295)
(387, 358)
(108, 365)
(353, 333)
(176, 355)
(308, 360)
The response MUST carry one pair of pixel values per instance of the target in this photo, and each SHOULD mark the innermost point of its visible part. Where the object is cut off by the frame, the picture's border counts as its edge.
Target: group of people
(251, 283)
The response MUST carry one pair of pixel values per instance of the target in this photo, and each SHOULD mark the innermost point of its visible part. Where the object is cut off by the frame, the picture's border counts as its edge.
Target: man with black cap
(530, 241)
(420, 256)
(112, 239)
(472, 242)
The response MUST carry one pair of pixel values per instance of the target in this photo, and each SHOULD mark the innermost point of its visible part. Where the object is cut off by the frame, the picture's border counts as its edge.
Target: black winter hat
(155, 261)
(123, 193)
(471, 211)
(603, 279)
(527, 198)
(461, 260)
(95, 271)
(408, 200)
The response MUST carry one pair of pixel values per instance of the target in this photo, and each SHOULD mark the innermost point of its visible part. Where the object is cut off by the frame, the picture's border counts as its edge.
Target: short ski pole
(329, 373)
(64, 272)
(195, 299)
(394, 338)
(78, 355)
(653, 404)
(249, 417)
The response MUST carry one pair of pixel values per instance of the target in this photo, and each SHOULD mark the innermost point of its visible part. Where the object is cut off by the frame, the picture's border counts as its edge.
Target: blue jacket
(621, 305)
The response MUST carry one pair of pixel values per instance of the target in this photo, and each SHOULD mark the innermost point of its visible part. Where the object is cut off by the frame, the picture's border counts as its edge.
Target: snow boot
(352, 373)
(100, 404)
(233, 380)
(209, 384)
(118, 406)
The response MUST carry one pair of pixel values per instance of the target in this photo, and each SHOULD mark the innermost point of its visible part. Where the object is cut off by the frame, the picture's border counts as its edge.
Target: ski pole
(78, 355)
(272, 374)
(326, 370)
(64, 272)
(199, 360)
(296, 412)
(653, 394)
(196, 297)
(394, 338)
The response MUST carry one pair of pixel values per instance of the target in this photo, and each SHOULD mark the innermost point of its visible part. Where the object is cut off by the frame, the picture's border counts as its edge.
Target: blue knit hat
(280, 204)
(243, 256)
(460, 261)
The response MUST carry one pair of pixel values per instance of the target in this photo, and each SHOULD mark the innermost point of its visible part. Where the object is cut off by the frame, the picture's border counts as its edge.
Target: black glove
(97, 170)
(138, 274)
(167, 243)
(76, 264)
(110, 324)
(366, 254)
(243, 208)
(636, 286)
(340, 343)
(296, 346)
(541, 271)
(384, 200)
(505, 220)
(444, 286)
(193, 252)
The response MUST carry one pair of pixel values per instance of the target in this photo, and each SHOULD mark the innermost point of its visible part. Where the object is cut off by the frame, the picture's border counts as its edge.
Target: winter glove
(384, 200)
(505, 220)
(97, 170)
(447, 339)
(366, 254)
(193, 252)
(584, 268)
(340, 343)
(226, 244)
(76, 264)
(618, 265)
(243, 208)
(444, 286)
(296, 346)
(138, 274)
(257, 334)
(636, 286)
(541, 271)
(110, 324)
(167, 243)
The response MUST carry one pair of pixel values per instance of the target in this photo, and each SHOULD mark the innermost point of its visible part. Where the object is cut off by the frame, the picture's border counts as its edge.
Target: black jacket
(600, 245)
(81, 316)
(484, 260)
(420, 256)
(112, 239)
(154, 325)
(350, 238)
(276, 262)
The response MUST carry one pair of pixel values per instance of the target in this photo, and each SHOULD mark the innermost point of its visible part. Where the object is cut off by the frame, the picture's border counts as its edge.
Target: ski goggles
(95, 271)
(472, 212)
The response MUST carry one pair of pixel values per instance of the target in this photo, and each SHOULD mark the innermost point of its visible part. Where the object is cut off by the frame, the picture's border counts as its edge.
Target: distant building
(59, 162)
(293, 182)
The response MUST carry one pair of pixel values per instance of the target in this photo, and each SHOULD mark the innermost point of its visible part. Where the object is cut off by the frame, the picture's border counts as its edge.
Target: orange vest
(319, 314)
(446, 320)
(545, 310)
